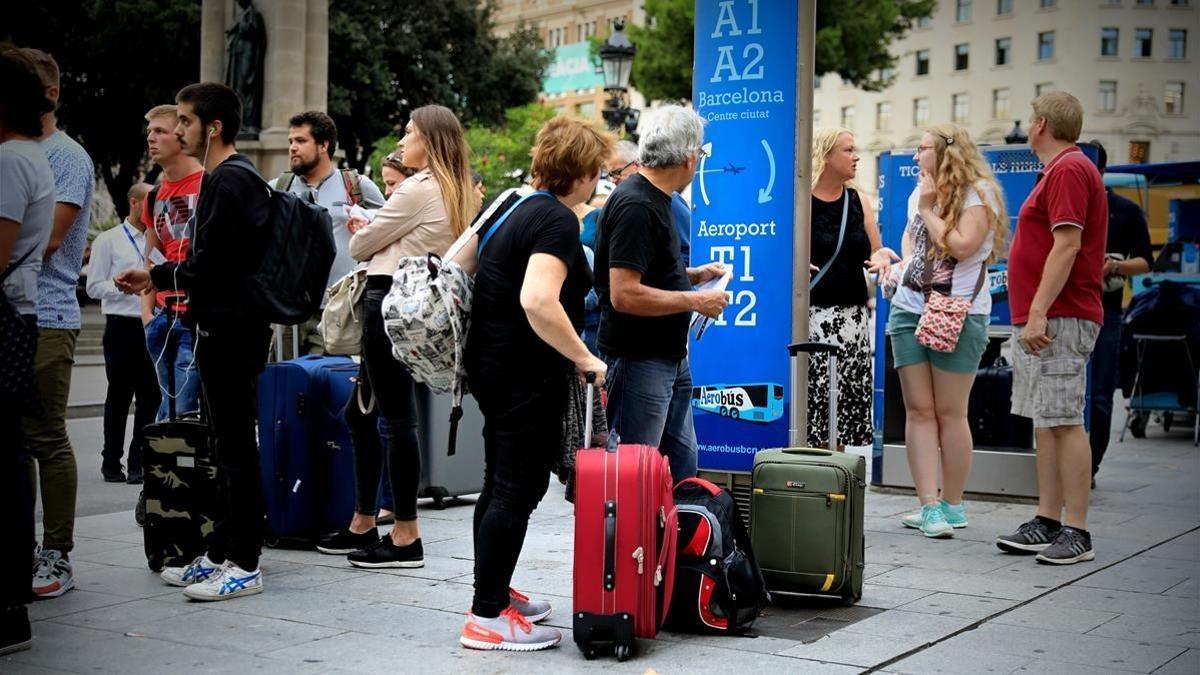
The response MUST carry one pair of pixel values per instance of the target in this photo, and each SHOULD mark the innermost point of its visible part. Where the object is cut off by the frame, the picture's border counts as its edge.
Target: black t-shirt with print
(501, 343)
(637, 232)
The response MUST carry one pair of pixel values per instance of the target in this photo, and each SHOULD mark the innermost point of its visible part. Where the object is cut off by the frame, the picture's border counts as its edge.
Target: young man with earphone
(231, 337)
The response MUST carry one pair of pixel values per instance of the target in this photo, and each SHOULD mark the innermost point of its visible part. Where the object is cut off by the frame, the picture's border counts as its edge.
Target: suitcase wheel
(623, 652)
(589, 653)
(849, 599)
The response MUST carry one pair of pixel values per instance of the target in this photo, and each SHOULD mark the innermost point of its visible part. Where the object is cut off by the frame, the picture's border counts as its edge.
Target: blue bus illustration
(760, 402)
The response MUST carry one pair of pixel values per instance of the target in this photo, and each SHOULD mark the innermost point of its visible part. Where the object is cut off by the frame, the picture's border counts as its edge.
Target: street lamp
(1016, 136)
(616, 57)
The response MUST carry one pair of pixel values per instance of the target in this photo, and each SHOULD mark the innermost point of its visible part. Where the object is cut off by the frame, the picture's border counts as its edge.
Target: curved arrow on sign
(764, 195)
(707, 148)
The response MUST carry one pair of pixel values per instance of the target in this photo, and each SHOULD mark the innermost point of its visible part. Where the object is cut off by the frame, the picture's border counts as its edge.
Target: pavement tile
(1175, 632)
(1187, 589)
(11, 667)
(956, 605)
(404, 591)
(87, 548)
(852, 649)
(1144, 575)
(985, 585)
(687, 659)
(227, 631)
(889, 597)
(1187, 663)
(74, 601)
(1070, 647)
(124, 581)
(1051, 667)
(912, 626)
(954, 659)
(119, 555)
(136, 616)
(1124, 602)
(1048, 615)
(1186, 547)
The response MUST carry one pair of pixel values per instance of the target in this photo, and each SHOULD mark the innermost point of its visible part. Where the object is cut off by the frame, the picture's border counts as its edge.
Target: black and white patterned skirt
(849, 328)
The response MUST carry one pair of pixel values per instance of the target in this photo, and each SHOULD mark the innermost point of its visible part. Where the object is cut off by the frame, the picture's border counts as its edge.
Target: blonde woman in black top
(838, 297)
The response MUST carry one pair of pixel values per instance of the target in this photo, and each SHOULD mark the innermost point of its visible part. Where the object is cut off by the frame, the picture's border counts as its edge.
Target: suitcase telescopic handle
(587, 416)
(794, 350)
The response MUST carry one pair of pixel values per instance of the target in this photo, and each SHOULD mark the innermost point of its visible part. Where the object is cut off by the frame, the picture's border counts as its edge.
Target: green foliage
(118, 60)
(501, 153)
(852, 40)
(388, 57)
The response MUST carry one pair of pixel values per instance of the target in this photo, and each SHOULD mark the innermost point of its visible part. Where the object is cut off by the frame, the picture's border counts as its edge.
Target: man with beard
(312, 140)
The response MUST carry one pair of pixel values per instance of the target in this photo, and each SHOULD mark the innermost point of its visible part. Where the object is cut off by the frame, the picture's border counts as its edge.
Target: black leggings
(521, 434)
(382, 376)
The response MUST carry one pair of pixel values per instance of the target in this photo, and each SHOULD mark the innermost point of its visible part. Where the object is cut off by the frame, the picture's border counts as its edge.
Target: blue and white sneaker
(230, 581)
(956, 514)
(196, 571)
(934, 523)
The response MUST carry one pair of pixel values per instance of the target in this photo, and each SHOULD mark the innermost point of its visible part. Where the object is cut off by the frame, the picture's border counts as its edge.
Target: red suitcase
(625, 533)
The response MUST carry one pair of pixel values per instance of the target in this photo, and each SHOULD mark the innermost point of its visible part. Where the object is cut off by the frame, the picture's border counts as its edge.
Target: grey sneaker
(1030, 537)
(1069, 547)
(53, 576)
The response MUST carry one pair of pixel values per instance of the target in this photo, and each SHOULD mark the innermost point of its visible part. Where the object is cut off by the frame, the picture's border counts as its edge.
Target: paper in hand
(700, 322)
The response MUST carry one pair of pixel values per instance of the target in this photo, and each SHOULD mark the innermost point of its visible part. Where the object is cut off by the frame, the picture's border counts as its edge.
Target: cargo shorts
(1050, 388)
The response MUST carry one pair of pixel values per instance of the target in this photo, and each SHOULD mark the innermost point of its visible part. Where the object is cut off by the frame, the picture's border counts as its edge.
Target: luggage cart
(1165, 402)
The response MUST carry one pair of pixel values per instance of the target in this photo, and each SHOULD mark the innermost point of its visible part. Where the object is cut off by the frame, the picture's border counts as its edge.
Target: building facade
(1132, 63)
(572, 84)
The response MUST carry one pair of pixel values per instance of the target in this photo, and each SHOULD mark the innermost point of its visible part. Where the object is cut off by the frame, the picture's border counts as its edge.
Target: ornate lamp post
(616, 57)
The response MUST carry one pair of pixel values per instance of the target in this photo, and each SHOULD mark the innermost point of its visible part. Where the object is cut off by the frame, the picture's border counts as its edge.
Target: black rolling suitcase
(179, 487)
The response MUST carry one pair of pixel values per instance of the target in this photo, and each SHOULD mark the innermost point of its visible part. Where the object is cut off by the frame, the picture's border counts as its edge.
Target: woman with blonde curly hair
(845, 237)
(956, 227)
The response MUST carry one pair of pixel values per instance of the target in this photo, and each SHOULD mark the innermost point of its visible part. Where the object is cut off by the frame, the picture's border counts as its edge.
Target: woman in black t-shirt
(838, 311)
(523, 344)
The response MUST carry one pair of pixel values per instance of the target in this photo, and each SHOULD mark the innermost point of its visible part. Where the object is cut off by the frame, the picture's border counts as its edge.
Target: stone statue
(246, 45)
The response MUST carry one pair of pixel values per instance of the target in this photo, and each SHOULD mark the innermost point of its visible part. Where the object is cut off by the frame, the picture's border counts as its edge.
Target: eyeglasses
(701, 153)
(923, 148)
(615, 173)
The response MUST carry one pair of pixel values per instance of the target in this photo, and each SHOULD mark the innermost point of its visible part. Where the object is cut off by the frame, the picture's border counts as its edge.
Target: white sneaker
(229, 581)
(510, 632)
(53, 575)
(194, 572)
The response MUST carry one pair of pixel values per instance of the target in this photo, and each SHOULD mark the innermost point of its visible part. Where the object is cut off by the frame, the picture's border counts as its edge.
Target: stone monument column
(296, 67)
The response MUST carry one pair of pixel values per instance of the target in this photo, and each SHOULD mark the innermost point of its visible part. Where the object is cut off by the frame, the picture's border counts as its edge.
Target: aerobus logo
(757, 402)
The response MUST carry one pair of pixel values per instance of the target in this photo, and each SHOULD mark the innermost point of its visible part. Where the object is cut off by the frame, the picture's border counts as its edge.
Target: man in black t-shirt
(646, 296)
(1129, 253)
(232, 340)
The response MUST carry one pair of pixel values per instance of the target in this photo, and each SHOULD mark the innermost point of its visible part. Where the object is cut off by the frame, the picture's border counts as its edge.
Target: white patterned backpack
(428, 311)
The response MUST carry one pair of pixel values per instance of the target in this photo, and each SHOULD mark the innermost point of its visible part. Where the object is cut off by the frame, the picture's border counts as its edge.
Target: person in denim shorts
(956, 226)
(1055, 274)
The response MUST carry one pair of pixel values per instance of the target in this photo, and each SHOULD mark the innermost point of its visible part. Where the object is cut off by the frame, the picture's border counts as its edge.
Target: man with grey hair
(127, 364)
(646, 296)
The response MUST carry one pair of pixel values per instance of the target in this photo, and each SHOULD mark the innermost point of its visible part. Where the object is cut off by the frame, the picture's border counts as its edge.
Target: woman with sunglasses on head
(426, 212)
(956, 227)
(845, 238)
(393, 172)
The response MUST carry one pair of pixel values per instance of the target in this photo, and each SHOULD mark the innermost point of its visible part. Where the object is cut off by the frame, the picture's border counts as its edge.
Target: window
(922, 62)
(1173, 98)
(962, 56)
(1139, 152)
(962, 11)
(1000, 104)
(848, 117)
(1177, 44)
(886, 74)
(1046, 45)
(1179, 3)
(1047, 4)
(1042, 87)
(1108, 96)
(958, 109)
(920, 112)
(1108, 41)
(816, 118)
(1145, 3)
(883, 116)
(1143, 39)
(1003, 51)
(816, 82)
(1003, 7)
(925, 22)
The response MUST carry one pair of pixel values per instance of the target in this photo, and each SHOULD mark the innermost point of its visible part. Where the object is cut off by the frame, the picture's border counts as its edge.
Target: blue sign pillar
(745, 88)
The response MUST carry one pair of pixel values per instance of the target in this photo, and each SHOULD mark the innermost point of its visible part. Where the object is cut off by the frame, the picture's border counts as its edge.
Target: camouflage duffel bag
(180, 490)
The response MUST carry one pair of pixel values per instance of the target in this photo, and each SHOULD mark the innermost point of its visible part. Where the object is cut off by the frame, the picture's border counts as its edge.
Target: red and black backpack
(719, 587)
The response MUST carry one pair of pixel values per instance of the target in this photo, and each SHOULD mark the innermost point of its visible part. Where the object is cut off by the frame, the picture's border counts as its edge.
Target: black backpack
(719, 587)
(291, 278)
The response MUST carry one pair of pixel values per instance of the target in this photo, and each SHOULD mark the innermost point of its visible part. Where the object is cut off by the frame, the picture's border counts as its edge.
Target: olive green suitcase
(806, 510)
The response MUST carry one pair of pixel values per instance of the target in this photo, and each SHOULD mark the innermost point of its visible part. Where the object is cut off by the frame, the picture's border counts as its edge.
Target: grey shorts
(1050, 388)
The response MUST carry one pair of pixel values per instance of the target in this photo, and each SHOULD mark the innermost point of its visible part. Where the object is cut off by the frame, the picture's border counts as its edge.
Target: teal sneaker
(956, 515)
(935, 525)
(913, 520)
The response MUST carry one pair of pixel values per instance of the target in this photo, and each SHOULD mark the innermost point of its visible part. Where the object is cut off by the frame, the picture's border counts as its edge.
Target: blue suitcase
(307, 452)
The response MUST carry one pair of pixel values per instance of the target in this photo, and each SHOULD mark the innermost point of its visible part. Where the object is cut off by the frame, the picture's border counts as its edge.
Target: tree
(118, 60)
(852, 41)
(500, 153)
(388, 57)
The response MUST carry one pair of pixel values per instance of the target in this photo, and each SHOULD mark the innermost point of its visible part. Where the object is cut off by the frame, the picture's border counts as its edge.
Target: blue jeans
(650, 402)
(170, 345)
(1106, 374)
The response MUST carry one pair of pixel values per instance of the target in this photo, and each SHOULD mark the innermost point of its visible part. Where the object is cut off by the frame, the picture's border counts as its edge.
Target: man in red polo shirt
(1055, 273)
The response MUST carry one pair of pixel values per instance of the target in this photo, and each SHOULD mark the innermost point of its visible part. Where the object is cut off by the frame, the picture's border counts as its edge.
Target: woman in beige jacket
(425, 214)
